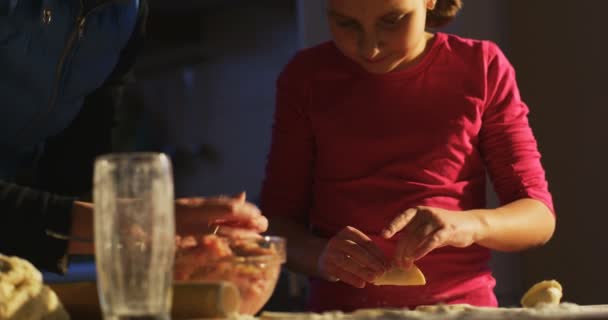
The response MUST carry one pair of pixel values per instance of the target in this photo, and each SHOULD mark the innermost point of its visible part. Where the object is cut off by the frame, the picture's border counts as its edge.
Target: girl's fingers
(399, 223)
(372, 255)
(343, 274)
(415, 245)
(354, 254)
(353, 257)
(432, 242)
(407, 242)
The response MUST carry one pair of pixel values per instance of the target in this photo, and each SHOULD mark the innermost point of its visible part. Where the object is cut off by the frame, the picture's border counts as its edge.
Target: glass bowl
(253, 265)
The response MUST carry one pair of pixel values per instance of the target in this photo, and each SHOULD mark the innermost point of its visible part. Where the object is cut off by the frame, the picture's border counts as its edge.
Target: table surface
(78, 292)
(81, 301)
(80, 269)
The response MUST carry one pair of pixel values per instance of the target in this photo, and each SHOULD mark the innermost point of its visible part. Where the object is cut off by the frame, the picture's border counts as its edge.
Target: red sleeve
(507, 143)
(286, 190)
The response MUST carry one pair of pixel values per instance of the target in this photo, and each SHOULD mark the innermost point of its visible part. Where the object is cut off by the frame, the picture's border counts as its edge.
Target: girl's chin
(378, 69)
(383, 67)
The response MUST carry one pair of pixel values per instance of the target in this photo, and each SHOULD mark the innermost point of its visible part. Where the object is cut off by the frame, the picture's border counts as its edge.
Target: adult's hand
(234, 214)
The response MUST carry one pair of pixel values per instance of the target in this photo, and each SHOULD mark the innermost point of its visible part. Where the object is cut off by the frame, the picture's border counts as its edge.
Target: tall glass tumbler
(134, 235)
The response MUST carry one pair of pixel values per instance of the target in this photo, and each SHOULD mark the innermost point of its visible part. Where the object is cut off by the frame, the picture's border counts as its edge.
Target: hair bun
(443, 13)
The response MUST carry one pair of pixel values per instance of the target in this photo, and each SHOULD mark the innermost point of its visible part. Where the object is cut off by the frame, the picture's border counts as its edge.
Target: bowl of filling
(252, 264)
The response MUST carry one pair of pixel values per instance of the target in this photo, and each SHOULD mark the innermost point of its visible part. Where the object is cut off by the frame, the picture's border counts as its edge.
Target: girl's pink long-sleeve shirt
(351, 148)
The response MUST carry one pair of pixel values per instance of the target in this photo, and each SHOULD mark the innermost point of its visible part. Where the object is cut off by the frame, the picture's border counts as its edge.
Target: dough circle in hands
(401, 277)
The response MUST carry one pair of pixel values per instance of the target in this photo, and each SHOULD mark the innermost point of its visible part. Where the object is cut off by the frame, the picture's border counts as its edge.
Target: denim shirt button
(47, 16)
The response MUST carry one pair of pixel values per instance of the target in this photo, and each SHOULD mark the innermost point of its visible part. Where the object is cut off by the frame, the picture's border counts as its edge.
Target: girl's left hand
(424, 229)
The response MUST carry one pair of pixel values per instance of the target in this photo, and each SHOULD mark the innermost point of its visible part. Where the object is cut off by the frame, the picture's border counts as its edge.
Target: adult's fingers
(236, 233)
(194, 214)
(241, 196)
(221, 207)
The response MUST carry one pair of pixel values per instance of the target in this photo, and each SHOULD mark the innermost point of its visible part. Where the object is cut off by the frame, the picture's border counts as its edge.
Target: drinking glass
(134, 235)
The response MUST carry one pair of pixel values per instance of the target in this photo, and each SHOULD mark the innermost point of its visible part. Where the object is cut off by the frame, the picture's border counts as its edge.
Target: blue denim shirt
(53, 53)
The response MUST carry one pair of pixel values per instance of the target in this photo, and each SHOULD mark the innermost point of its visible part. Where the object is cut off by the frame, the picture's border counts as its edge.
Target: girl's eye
(348, 24)
(392, 21)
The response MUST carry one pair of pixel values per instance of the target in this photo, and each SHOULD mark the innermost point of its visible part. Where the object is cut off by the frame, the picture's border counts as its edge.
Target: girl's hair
(444, 12)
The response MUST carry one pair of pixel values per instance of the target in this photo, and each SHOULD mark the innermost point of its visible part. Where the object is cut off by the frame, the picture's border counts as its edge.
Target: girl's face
(380, 35)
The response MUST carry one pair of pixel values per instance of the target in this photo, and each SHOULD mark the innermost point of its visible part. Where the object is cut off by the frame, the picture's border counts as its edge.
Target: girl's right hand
(353, 258)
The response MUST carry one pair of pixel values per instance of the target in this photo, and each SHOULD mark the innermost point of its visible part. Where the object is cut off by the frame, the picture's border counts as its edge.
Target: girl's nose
(370, 53)
(369, 47)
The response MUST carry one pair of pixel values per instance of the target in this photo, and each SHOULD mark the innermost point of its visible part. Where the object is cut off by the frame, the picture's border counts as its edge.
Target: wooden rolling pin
(190, 300)
(204, 300)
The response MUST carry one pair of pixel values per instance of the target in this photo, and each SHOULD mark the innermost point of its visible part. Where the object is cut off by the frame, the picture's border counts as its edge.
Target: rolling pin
(191, 300)
(204, 300)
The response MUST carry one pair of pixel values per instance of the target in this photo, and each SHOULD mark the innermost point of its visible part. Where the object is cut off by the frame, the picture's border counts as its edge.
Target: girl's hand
(194, 216)
(424, 229)
(353, 258)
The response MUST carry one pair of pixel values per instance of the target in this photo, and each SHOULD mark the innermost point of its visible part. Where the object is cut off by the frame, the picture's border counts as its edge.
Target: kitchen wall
(560, 50)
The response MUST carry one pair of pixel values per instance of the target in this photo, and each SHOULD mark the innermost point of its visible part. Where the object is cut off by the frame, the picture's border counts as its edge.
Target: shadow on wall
(205, 92)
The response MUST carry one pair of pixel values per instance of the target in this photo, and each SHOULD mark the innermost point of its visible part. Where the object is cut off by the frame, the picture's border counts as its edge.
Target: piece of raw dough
(548, 292)
(23, 295)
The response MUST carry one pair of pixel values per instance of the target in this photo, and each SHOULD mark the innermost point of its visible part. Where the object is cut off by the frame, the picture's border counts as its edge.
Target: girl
(381, 143)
